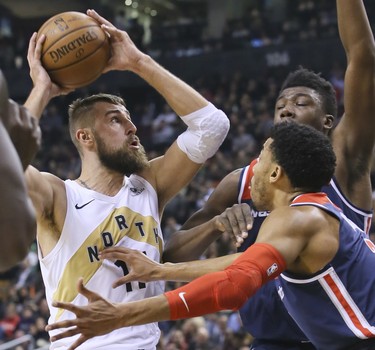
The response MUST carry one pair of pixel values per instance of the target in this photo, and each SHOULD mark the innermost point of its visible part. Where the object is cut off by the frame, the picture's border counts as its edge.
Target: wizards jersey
(264, 315)
(335, 307)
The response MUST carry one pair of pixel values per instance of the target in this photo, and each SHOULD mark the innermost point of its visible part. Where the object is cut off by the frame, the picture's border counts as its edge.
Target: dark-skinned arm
(17, 217)
(190, 242)
(354, 137)
(22, 127)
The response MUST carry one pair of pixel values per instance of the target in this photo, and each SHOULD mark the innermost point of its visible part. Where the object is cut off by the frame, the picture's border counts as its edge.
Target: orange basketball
(76, 49)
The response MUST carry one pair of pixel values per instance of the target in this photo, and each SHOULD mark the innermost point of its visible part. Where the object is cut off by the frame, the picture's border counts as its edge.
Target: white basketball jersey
(93, 222)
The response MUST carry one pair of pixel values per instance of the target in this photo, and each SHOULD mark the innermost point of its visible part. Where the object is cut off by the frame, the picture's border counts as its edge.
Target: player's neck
(284, 198)
(105, 182)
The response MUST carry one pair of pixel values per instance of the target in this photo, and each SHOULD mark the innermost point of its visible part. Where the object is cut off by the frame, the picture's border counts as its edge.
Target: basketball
(76, 49)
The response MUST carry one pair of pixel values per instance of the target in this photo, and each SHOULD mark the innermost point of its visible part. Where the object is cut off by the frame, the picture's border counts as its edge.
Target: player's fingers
(247, 217)
(223, 222)
(240, 220)
(90, 295)
(232, 222)
(245, 223)
(62, 324)
(66, 306)
(115, 255)
(68, 333)
(32, 43)
(121, 281)
(92, 13)
(38, 46)
(116, 249)
(78, 342)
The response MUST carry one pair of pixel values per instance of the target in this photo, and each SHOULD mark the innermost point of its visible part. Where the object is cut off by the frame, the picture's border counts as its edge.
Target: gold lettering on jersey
(120, 223)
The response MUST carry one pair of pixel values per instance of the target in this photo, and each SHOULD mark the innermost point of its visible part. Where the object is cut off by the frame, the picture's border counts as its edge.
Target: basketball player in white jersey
(19, 141)
(119, 197)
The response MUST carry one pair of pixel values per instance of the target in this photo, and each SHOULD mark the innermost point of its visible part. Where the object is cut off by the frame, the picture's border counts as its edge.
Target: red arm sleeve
(228, 289)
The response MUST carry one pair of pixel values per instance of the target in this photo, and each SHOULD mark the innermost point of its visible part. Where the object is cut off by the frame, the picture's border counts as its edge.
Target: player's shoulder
(233, 176)
(302, 217)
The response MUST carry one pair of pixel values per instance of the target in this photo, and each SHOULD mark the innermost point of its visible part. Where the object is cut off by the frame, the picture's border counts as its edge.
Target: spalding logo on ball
(76, 49)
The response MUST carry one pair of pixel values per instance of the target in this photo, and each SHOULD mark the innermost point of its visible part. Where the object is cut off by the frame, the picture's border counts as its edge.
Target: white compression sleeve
(207, 129)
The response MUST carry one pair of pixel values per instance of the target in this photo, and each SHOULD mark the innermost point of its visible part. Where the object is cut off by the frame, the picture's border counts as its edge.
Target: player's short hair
(80, 115)
(312, 80)
(305, 154)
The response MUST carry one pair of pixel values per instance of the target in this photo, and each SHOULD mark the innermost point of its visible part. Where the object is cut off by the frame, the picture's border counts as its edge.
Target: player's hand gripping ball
(76, 49)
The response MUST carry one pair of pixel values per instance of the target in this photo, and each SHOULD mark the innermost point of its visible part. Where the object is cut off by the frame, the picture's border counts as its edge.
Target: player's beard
(123, 160)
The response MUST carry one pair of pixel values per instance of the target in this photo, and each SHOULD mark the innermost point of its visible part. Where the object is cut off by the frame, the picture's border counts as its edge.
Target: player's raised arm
(43, 188)
(207, 126)
(354, 137)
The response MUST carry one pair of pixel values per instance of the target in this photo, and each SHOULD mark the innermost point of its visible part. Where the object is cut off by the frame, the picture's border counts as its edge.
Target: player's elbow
(204, 134)
(239, 286)
(232, 299)
(363, 54)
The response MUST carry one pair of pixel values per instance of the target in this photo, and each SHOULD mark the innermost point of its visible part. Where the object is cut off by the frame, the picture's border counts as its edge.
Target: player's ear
(329, 120)
(84, 136)
(275, 174)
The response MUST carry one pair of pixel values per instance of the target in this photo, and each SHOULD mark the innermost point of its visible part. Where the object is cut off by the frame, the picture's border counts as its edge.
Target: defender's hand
(236, 221)
(96, 318)
(141, 268)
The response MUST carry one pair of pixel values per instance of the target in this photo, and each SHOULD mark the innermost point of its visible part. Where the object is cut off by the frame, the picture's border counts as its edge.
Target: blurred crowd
(248, 102)
(272, 22)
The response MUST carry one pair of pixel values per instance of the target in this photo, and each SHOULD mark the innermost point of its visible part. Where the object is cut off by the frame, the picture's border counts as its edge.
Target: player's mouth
(134, 144)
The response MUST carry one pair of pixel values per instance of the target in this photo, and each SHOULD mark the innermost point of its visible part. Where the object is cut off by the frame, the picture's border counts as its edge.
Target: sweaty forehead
(295, 91)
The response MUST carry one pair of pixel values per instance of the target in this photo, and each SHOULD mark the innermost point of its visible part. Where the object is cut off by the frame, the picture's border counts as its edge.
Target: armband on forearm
(207, 129)
(229, 289)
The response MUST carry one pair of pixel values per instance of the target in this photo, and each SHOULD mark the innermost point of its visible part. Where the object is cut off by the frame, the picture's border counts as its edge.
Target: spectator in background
(10, 321)
(244, 140)
(164, 128)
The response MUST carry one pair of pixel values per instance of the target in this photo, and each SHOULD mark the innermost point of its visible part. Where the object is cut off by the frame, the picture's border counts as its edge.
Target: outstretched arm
(222, 290)
(45, 190)
(354, 137)
(143, 269)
